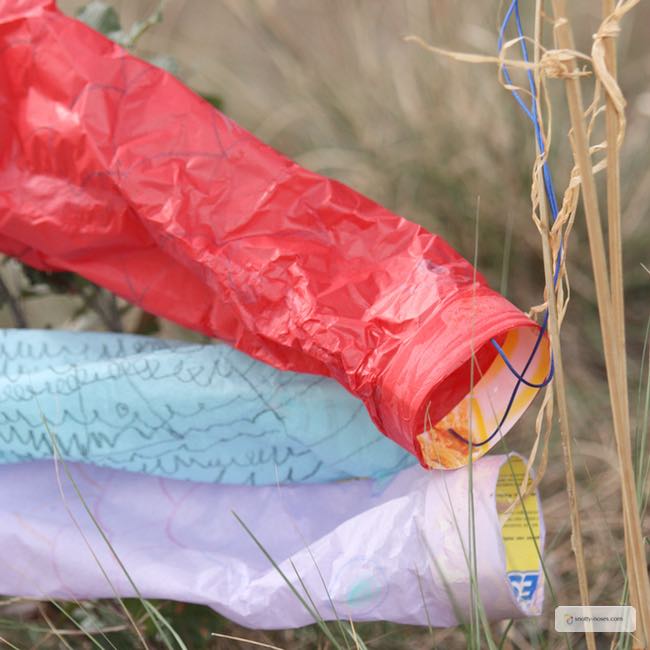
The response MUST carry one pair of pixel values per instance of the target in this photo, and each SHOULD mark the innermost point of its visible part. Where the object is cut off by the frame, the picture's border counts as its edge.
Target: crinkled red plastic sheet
(113, 169)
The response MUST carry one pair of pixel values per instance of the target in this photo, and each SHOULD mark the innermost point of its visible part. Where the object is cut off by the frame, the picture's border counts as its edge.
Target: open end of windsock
(449, 385)
(495, 400)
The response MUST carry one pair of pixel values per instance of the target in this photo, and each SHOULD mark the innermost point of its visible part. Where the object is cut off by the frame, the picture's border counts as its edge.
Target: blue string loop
(532, 114)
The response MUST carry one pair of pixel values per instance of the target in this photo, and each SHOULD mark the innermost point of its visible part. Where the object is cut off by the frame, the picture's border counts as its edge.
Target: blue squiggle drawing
(199, 412)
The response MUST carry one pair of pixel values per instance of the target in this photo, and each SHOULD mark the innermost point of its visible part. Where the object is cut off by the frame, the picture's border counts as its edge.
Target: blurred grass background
(333, 85)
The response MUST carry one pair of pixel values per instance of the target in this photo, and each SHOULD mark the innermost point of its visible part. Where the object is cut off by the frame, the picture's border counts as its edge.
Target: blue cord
(532, 115)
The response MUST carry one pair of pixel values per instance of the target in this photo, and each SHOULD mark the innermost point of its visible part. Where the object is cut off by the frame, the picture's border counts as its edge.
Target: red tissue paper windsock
(113, 169)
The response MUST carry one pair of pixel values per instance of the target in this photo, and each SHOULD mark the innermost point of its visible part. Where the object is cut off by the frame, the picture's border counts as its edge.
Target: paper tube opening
(486, 412)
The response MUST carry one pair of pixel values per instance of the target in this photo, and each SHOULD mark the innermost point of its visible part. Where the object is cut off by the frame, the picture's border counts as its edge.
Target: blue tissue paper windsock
(179, 410)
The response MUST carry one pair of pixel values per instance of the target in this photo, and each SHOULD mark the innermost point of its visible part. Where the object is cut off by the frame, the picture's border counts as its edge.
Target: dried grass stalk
(557, 304)
(610, 308)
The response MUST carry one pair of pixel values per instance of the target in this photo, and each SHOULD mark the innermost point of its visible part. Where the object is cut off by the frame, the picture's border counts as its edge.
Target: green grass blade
(319, 621)
(58, 460)
(504, 636)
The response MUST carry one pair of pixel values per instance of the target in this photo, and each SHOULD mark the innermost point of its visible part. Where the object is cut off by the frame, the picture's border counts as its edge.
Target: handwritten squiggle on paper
(199, 412)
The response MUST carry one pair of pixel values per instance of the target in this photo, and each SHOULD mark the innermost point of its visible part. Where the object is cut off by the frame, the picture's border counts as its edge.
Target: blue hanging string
(532, 114)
